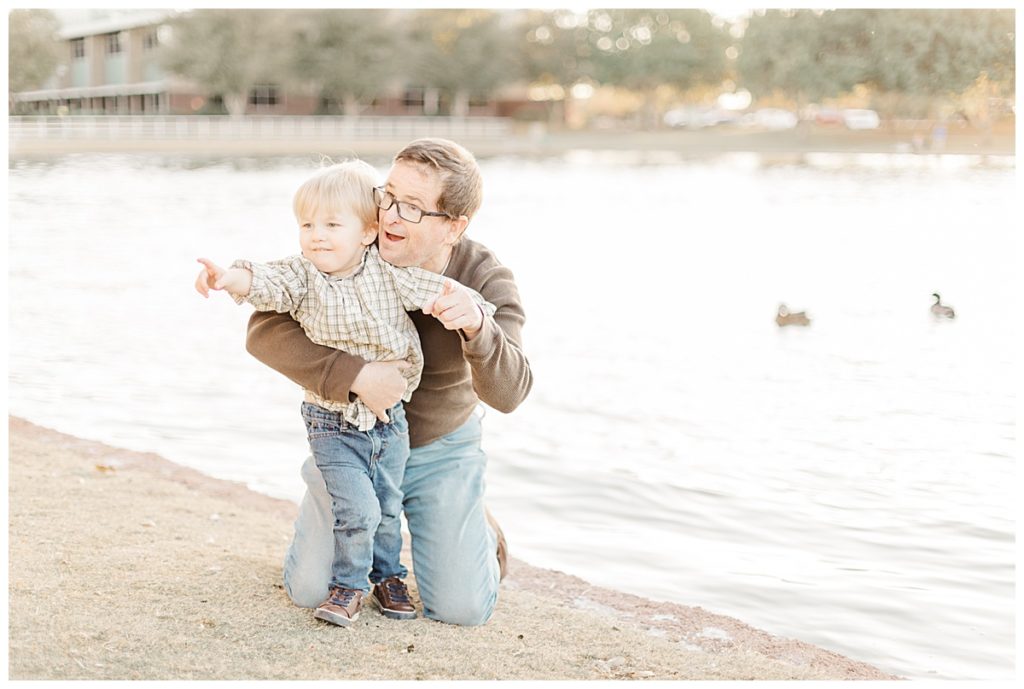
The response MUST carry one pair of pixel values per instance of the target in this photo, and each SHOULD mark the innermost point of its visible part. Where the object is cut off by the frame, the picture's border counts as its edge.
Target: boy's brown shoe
(341, 607)
(502, 544)
(393, 599)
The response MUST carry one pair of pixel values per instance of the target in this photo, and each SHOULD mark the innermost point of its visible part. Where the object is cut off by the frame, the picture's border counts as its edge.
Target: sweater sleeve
(278, 341)
(501, 372)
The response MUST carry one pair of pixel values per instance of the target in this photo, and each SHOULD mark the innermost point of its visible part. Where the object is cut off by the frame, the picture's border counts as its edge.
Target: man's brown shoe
(393, 599)
(341, 607)
(502, 544)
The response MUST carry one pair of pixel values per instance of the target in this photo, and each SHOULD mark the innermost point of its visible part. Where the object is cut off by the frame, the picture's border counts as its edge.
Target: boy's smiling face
(333, 239)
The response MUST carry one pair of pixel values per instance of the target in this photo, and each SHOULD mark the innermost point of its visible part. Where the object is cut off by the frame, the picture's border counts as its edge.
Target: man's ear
(457, 229)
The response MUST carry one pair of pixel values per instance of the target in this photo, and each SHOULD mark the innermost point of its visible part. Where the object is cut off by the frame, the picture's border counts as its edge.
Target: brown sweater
(456, 374)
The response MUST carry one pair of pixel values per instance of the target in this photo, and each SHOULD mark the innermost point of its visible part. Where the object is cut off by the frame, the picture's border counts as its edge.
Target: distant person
(939, 133)
(344, 295)
(459, 554)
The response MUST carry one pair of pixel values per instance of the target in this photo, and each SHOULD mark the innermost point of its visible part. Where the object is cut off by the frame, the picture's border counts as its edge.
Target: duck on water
(940, 310)
(784, 317)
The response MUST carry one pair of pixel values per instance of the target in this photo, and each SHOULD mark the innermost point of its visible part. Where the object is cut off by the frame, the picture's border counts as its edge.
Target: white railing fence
(169, 127)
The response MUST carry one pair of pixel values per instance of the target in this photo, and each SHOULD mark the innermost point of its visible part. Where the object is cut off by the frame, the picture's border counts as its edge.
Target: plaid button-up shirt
(363, 314)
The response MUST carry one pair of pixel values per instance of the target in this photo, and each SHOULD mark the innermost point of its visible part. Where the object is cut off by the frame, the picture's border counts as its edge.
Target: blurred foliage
(33, 50)
(344, 70)
(813, 54)
(907, 60)
(642, 49)
(230, 51)
(639, 49)
(553, 49)
(464, 53)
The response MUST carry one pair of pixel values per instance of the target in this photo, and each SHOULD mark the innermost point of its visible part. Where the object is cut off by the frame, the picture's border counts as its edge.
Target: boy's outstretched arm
(237, 281)
(278, 341)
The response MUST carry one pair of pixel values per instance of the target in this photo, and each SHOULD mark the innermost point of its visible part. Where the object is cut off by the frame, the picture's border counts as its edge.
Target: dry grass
(123, 566)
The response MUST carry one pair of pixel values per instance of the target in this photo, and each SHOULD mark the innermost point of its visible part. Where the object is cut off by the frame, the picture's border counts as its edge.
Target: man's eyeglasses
(406, 211)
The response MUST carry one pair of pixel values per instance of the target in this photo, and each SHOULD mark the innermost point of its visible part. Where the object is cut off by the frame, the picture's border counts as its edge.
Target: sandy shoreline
(126, 566)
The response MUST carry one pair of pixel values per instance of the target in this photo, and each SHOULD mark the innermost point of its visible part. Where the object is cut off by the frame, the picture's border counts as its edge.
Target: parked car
(855, 118)
(828, 116)
(698, 118)
(775, 118)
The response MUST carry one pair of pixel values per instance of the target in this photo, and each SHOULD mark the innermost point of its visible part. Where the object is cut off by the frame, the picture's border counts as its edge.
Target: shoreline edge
(124, 565)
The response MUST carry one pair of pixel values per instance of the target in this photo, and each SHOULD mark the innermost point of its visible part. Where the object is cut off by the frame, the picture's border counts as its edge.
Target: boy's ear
(370, 234)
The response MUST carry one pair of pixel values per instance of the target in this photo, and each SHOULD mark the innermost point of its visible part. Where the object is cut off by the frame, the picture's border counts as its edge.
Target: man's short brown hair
(461, 182)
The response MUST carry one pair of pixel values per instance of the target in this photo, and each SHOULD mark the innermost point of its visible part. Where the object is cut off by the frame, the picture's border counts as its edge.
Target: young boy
(347, 297)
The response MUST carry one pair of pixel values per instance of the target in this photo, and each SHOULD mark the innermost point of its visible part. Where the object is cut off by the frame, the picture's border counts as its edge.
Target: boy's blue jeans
(453, 547)
(362, 472)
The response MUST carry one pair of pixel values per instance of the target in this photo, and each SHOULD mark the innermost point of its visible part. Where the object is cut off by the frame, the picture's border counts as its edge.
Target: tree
(940, 51)
(227, 52)
(554, 47)
(785, 50)
(350, 54)
(33, 49)
(819, 54)
(640, 50)
(463, 52)
(644, 49)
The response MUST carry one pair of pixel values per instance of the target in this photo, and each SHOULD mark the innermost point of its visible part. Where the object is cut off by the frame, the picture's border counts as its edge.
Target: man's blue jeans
(362, 472)
(453, 548)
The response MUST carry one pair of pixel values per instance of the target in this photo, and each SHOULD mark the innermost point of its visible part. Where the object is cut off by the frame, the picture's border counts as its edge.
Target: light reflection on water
(848, 484)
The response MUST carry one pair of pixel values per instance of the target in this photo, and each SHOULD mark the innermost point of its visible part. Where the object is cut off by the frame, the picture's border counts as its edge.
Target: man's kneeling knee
(464, 613)
(306, 593)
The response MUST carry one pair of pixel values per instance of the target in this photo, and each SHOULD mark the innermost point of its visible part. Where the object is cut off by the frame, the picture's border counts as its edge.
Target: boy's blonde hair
(348, 184)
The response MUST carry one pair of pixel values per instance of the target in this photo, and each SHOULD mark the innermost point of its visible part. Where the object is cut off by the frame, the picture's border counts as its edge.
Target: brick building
(111, 67)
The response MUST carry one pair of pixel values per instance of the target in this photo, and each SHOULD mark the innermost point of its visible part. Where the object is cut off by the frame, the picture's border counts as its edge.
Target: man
(432, 191)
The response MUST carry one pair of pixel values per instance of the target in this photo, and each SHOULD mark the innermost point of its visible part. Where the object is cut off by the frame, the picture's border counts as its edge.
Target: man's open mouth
(392, 237)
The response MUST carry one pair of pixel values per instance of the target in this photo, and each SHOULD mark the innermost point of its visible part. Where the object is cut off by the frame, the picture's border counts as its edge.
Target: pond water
(849, 484)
